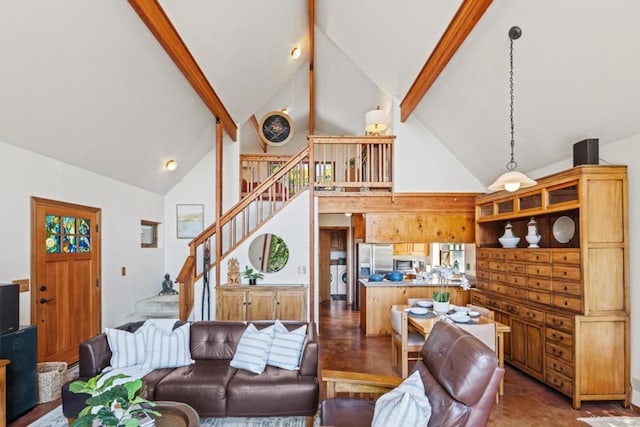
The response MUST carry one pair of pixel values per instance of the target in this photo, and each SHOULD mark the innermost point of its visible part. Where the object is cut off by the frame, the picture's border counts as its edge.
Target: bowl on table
(425, 303)
(420, 311)
(474, 313)
(460, 317)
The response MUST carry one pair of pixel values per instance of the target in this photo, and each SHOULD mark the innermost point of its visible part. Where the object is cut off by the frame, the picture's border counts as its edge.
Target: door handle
(45, 300)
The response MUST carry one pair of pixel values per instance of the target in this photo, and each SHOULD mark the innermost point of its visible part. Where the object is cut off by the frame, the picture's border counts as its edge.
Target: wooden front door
(65, 277)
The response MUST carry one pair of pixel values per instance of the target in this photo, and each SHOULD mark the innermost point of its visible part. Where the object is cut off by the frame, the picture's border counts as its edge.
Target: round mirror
(268, 253)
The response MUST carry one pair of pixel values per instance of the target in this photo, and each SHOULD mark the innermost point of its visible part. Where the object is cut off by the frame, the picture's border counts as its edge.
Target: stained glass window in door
(67, 234)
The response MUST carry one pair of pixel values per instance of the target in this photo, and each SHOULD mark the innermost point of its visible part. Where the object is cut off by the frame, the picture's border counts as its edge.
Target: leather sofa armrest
(95, 355)
(356, 382)
(309, 361)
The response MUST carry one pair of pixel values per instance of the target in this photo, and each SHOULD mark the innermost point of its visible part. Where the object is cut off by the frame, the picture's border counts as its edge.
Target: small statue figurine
(233, 272)
(167, 286)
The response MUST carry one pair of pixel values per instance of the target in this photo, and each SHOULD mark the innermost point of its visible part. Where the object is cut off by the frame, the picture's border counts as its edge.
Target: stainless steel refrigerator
(372, 259)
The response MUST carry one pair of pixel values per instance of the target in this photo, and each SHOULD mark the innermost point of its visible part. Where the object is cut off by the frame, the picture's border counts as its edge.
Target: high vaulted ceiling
(87, 83)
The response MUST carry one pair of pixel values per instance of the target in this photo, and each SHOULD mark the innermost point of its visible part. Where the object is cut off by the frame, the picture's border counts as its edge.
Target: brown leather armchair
(460, 374)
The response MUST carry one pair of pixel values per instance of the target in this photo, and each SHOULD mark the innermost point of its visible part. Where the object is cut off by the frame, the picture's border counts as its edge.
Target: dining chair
(484, 312)
(403, 341)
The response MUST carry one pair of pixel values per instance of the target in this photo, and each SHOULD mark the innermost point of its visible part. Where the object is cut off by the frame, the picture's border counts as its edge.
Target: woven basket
(50, 375)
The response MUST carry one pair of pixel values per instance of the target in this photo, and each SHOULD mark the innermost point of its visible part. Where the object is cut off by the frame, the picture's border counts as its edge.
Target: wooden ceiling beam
(254, 124)
(465, 19)
(161, 27)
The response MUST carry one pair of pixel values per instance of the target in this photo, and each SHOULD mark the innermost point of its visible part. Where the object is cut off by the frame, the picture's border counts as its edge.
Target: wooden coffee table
(176, 414)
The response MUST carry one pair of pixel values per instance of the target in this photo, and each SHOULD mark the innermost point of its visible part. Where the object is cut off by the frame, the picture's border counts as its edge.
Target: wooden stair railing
(242, 220)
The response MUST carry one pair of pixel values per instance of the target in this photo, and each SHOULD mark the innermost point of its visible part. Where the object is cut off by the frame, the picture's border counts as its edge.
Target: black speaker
(9, 307)
(20, 348)
(586, 152)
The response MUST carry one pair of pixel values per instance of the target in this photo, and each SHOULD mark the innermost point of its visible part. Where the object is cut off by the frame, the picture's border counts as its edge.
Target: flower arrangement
(109, 404)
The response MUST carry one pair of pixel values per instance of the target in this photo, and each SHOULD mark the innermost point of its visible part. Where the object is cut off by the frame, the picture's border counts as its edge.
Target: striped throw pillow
(253, 349)
(127, 348)
(286, 349)
(167, 350)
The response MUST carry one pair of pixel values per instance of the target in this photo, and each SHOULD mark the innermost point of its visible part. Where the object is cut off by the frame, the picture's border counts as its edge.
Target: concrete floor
(526, 401)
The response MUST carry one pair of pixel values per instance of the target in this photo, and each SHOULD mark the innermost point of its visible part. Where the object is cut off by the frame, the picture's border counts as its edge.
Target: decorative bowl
(509, 242)
(395, 276)
(376, 278)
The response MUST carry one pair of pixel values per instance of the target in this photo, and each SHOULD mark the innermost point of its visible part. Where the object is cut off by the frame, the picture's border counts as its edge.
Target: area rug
(611, 421)
(55, 418)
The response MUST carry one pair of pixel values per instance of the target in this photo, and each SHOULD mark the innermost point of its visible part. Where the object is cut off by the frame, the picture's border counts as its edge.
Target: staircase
(328, 166)
(240, 222)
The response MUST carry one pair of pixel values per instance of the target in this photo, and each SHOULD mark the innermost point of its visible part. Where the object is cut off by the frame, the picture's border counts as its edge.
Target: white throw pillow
(253, 349)
(167, 350)
(286, 348)
(405, 405)
(127, 348)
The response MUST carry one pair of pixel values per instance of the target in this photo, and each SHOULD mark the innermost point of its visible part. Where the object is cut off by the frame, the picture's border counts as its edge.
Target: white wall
(624, 152)
(25, 174)
(423, 163)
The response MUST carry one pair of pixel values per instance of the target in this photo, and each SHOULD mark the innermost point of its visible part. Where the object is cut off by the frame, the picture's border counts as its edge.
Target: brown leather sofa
(210, 385)
(460, 374)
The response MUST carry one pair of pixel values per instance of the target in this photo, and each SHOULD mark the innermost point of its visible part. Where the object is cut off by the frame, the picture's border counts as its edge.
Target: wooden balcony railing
(353, 163)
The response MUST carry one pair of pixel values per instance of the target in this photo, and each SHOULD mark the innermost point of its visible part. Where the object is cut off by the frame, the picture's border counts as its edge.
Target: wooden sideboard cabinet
(261, 303)
(567, 302)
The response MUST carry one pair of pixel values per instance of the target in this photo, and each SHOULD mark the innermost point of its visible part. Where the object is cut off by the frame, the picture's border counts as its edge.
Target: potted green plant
(109, 404)
(441, 296)
(252, 275)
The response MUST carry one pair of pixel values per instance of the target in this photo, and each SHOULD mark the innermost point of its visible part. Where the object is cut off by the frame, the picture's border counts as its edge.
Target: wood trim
(24, 284)
(404, 202)
(256, 127)
(465, 19)
(312, 241)
(219, 194)
(311, 30)
(161, 27)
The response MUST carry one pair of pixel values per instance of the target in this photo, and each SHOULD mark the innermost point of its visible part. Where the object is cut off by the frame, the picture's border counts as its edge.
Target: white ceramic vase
(441, 307)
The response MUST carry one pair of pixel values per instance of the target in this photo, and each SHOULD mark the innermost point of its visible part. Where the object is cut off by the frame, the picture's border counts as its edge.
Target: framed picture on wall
(189, 220)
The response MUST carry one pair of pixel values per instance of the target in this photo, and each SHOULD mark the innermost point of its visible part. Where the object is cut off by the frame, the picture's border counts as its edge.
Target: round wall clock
(276, 128)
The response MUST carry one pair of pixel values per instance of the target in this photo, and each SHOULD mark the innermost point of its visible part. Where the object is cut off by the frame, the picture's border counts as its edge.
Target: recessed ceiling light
(171, 165)
(295, 52)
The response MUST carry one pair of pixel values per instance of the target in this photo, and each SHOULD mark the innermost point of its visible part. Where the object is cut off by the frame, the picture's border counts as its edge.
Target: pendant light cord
(512, 165)
(514, 34)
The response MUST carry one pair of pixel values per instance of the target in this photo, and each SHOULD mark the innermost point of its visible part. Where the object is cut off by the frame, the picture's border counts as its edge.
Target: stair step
(156, 307)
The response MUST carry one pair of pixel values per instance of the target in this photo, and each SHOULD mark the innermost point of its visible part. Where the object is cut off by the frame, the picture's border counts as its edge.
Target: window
(148, 234)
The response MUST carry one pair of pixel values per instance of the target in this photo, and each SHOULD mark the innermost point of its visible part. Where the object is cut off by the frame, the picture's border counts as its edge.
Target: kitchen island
(376, 299)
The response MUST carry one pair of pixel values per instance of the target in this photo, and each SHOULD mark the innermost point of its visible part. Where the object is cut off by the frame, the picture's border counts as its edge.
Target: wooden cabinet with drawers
(567, 302)
(261, 303)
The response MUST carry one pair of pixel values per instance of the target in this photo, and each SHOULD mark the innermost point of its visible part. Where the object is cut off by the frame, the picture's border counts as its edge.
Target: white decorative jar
(532, 236)
(508, 240)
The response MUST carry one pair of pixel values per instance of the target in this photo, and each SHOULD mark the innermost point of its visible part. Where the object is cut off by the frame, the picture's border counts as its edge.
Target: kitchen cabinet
(415, 249)
(567, 302)
(261, 303)
(376, 301)
(338, 240)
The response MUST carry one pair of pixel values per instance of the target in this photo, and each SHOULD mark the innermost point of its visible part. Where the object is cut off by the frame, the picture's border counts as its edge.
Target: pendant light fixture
(512, 180)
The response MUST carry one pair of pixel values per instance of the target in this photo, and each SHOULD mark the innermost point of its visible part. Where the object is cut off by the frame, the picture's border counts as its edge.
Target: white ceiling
(85, 82)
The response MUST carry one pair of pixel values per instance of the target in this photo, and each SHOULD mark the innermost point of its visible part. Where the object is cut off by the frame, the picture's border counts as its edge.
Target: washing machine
(333, 272)
(342, 279)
